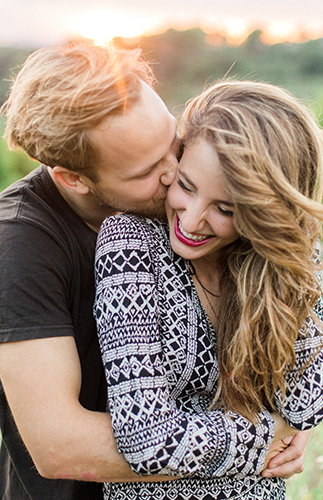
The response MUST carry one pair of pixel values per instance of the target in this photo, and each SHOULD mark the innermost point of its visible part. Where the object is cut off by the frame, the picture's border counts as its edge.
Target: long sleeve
(302, 406)
(153, 432)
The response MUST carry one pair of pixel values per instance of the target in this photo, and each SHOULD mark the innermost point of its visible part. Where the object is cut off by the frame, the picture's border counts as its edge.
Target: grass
(309, 484)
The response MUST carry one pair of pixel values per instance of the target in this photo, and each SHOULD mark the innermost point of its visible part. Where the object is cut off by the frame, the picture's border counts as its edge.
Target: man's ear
(71, 180)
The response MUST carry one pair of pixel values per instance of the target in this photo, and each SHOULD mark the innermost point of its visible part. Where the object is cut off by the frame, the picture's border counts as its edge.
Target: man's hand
(287, 457)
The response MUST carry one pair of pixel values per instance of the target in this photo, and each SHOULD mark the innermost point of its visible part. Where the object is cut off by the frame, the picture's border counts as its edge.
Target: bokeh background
(190, 44)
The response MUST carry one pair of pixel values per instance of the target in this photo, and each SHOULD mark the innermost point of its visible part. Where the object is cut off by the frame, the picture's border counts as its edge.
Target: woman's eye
(224, 211)
(183, 186)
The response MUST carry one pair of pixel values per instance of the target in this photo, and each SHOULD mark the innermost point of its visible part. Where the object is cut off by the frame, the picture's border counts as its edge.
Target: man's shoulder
(16, 199)
(33, 204)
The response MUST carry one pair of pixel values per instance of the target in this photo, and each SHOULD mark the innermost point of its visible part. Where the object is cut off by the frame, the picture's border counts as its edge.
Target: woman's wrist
(282, 429)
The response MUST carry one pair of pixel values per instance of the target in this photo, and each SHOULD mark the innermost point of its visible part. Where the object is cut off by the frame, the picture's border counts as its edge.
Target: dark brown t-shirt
(46, 290)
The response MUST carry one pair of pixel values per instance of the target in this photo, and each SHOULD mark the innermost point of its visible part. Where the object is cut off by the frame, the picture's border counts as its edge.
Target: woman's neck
(207, 273)
(205, 278)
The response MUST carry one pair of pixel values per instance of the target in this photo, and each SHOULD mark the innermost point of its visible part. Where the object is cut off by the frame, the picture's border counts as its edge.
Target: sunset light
(236, 31)
(281, 32)
(51, 23)
(102, 25)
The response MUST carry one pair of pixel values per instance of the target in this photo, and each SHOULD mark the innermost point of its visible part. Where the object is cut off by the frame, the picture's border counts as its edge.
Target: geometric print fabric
(158, 350)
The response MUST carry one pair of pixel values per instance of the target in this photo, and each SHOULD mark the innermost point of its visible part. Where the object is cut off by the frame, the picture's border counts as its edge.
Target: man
(110, 144)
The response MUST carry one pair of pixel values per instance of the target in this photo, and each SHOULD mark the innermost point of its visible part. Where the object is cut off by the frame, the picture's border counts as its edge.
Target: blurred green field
(309, 484)
(13, 165)
(183, 62)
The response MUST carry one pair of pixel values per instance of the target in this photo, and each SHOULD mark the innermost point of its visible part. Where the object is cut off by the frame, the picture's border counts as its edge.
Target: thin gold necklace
(205, 290)
(194, 273)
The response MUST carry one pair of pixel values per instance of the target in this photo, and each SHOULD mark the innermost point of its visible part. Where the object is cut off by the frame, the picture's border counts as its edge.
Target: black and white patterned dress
(158, 350)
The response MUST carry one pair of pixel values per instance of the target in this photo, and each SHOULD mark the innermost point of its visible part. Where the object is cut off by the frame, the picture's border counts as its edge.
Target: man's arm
(42, 380)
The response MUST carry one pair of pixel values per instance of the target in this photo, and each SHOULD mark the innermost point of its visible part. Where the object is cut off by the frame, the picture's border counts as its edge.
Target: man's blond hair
(63, 92)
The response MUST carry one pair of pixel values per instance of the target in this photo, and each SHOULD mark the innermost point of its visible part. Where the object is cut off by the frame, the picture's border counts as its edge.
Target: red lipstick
(187, 241)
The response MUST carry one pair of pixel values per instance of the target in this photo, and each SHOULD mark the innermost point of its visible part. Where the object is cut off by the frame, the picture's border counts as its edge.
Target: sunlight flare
(102, 25)
(281, 31)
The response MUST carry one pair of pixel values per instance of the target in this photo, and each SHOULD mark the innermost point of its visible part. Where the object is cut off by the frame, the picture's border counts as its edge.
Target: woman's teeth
(191, 236)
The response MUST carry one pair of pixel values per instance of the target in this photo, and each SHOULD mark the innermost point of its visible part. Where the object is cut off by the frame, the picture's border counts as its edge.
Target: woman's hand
(290, 461)
(286, 455)
(276, 448)
(282, 429)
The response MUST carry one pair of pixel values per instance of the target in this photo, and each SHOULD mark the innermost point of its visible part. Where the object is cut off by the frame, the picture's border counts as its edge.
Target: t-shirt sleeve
(153, 434)
(35, 277)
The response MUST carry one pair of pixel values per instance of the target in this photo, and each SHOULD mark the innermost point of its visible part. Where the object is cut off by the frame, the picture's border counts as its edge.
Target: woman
(206, 324)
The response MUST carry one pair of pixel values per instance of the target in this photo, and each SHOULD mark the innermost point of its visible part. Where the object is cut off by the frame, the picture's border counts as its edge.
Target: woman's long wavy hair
(270, 149)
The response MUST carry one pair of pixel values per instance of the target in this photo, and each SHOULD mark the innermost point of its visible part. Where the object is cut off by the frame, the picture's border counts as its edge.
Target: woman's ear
(71, 180)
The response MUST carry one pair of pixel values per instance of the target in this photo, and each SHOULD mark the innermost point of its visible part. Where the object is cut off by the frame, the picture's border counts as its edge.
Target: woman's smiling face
(199, 210)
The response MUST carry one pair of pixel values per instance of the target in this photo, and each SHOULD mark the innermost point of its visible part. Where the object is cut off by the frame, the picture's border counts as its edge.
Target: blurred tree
(13, 165)
(10, 61)
(185, 61)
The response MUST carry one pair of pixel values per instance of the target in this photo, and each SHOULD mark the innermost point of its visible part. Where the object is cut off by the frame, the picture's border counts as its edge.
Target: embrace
(206, 359)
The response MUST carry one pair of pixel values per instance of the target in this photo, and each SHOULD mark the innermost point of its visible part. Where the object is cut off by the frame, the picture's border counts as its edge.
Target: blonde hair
(62, 92)
(270, 149)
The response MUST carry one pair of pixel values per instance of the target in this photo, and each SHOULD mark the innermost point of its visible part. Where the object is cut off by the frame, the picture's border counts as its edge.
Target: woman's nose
(192, 220)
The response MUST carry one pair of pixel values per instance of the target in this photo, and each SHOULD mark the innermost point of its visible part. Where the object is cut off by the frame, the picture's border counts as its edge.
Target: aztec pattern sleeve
(302, 406)
(152, 432)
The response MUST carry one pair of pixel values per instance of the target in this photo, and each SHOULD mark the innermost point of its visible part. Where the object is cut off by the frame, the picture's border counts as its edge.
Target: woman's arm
(154, 436)
(302, 406)
(292, 459)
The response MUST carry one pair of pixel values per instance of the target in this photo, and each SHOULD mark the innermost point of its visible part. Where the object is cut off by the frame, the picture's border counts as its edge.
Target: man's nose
(168, 175)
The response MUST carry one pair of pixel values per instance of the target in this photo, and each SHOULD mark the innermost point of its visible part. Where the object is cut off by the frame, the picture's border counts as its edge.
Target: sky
(35, 23)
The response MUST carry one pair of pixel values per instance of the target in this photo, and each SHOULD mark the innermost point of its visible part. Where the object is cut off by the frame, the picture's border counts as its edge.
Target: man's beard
(157, 212)
(151, 212)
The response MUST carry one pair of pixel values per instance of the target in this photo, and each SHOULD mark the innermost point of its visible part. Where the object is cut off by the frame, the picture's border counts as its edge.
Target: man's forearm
(86, 450)
(42, 380)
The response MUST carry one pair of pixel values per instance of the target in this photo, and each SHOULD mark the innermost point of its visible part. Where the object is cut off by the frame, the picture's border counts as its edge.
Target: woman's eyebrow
(224, 202)
(188, 179)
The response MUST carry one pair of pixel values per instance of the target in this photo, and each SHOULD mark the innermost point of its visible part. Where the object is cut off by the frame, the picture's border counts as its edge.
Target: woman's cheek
(173, 199)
